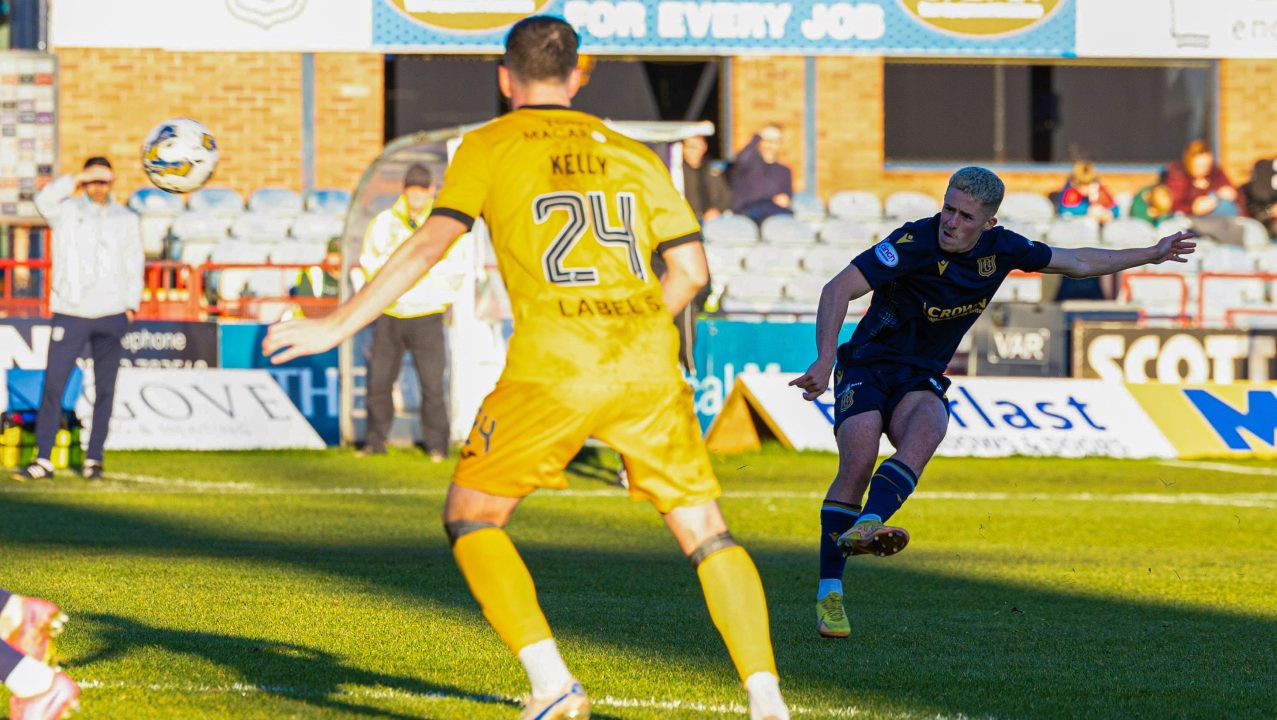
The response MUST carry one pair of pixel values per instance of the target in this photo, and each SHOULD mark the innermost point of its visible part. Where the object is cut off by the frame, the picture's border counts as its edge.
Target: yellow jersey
(575, 211)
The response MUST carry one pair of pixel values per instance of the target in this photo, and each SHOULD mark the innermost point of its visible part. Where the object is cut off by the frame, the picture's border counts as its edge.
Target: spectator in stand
(413, 323)
(1083, 195)
(1152, 203)
(321, 281)
(703, 185)
(762, 186)
(1198, 186)
(1261, 194)
(97, 287)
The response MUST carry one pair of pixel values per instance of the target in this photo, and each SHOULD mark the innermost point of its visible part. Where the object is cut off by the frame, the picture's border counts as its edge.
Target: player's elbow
(698, 276)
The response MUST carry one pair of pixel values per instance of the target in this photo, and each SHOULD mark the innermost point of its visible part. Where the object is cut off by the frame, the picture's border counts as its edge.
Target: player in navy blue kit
(930, 279)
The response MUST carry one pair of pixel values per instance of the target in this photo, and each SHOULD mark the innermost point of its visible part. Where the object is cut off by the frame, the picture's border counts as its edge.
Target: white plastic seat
(1227, 258)
(1026, 207)
(317, 227)
(806, 207)
(327, 201)
(221, 201)
(1172, 225)
(909, 205)
(232, 282)
(725, 261)
(1159, 296)
(197, 252)
(1128, 233)
(773, 260)
(855, 205)
(1254, 234)
(1221, 294)
(730, 230)
(1073, 233)
(841, 232)
(154, 201)
(786, 230)
(297, 251)
(194, 225)
(754, 292)
(826, 262)
(1020, 288)
(275, 201)
(261, 227)
(1265, 259)
(804, 291)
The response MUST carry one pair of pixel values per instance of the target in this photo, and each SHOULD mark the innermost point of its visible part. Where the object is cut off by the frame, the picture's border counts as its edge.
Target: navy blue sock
(4, 597)
(9, 659)
(890, 486)
(836, 518)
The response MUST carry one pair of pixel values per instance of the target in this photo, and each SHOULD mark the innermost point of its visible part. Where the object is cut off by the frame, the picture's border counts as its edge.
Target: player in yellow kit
(575, 211)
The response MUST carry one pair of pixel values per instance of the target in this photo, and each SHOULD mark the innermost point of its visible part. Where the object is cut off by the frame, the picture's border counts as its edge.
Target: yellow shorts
(525, 434)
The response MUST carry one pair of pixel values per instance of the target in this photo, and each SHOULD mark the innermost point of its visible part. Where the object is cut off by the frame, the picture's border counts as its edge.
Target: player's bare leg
(734, 594)
(857, 439)
(500, 581)
(917, 426)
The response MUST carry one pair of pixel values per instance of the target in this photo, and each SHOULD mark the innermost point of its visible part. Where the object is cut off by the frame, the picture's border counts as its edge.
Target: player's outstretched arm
(1088, 262)
(830, 315)
(686, 273)
(295, 338)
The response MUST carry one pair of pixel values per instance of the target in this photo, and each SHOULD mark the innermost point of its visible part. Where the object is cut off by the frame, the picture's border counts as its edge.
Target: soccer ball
(179, 155)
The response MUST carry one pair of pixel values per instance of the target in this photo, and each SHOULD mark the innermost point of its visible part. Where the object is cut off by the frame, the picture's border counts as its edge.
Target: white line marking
(124, 482)
(735, 709)
(1222, 467)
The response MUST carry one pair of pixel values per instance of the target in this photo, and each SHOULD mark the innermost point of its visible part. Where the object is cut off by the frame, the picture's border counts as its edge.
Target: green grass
(320, 585)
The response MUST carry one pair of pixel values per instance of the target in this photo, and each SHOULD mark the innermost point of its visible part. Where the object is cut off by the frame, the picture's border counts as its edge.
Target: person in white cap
(96, 289)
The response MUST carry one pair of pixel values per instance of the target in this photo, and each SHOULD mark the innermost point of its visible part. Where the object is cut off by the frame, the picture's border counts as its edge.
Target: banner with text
(1124, 352)
(989, 417)
(1177, 28)
(203, 410)
(1012, 28)
(24, 343)
(1214, 420)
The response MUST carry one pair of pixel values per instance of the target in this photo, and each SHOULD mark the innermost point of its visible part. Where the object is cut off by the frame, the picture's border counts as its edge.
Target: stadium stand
(275, 201)
(220, 201)
(1073, 233)
(848, 233)
(754, 293)
(1029, 214)
(909, 205)
(825, 262)
(735, 230)
(856, 205)
(327, 201)
(156, 210)
(260, 227)
(808, 208)
(316, 227)
(787, 230)
(773, 260)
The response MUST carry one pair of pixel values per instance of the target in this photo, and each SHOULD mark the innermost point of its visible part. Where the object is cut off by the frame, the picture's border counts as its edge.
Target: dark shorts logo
(847, 399)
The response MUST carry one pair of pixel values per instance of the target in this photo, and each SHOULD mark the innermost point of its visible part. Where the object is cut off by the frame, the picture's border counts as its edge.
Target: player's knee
(456, 529)
(717, 543)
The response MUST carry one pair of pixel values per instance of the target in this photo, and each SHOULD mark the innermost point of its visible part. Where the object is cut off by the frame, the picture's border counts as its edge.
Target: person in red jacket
(1199, 187)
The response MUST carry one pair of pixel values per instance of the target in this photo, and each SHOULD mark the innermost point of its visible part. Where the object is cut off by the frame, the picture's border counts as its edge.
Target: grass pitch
(320, 585)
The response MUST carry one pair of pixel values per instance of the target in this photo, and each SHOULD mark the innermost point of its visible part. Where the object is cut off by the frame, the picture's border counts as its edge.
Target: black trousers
(423, 337)
(70, 333)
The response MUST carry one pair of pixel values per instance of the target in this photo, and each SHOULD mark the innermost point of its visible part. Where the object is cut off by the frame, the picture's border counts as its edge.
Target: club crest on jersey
(886, 254)
(987, 265)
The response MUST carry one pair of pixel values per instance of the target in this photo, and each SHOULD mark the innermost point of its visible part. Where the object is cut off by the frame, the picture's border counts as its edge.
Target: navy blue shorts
(881, 387)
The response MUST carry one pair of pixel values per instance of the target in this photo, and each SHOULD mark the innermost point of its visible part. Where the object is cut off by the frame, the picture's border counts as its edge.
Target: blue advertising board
(1016, 28)
(726, 348)
(312, 383)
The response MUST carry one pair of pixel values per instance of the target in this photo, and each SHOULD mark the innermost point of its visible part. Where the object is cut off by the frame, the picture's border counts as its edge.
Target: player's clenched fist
(814, 382)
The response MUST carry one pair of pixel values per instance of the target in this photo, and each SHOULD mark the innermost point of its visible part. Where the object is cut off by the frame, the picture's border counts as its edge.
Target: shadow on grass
(286, 670)
(924, 642)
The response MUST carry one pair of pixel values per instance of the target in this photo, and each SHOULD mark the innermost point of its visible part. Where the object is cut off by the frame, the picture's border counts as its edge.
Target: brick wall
(770, 90)
(110, 99)
(1247, 98)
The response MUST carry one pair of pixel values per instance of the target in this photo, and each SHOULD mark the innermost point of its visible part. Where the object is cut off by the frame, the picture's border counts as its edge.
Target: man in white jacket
(97, 285)
(414, 323)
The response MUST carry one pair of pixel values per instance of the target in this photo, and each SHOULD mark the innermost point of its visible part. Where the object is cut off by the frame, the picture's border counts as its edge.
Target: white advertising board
(296, 25)
(1177, 28)
(989, 417)
(214, 409)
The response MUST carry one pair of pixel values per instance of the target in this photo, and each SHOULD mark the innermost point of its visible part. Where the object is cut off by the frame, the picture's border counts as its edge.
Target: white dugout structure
(479, 322)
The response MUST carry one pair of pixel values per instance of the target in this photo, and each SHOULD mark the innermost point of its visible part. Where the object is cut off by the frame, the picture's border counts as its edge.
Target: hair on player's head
(541, 48)
(980, 183)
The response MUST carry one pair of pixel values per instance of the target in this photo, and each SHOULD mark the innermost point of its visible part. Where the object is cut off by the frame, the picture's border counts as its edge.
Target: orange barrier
(1202, 278)
(14, 271)
(1183, 317)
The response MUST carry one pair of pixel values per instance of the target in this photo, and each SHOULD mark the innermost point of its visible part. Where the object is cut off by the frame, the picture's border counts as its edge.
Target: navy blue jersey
(925, 299)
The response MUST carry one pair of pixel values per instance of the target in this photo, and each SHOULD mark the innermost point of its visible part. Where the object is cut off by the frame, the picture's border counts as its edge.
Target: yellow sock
(503, 586)
(734, 594)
